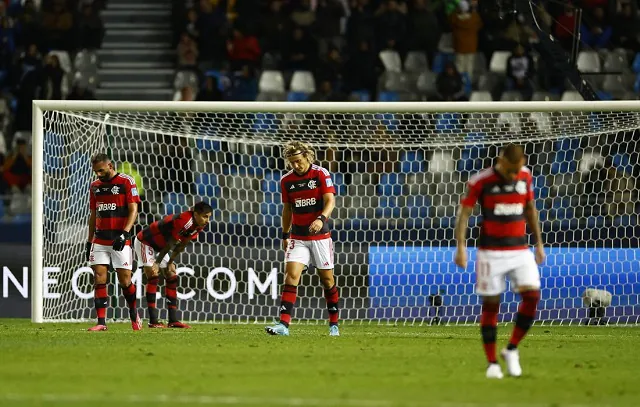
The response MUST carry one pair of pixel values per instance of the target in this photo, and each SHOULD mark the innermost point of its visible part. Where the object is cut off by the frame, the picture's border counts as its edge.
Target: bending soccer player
(114, 208)
(308, 197)
(505, 194)
(153, 245)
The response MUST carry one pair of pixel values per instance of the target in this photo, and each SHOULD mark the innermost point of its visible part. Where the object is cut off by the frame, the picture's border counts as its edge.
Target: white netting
(399, 178)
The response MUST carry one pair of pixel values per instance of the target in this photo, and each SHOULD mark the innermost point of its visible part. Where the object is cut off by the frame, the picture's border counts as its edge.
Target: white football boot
(512, 359)
(494, 371)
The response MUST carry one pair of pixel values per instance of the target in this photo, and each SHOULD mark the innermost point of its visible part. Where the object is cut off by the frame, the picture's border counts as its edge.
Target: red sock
(288, 300)
(100, 301)
(525, 316)
(332, 297)
(489, 329)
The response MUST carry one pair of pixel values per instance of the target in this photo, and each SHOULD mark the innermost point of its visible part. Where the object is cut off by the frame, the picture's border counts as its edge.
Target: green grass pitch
(368, 366)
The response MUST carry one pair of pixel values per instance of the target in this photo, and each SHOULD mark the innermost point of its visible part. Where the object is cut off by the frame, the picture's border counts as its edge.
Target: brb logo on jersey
(301, 203)
(107, 207)
(508, 209)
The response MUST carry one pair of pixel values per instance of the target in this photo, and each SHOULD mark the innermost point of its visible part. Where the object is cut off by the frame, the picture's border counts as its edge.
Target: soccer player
(114, 208)
(152, 246)
(505, 194)
(308, 197)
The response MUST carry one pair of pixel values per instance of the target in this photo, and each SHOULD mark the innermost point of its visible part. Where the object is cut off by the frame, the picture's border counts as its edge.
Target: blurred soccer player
(114, 207)
(153, 245)
(308, 197)
(505, 194)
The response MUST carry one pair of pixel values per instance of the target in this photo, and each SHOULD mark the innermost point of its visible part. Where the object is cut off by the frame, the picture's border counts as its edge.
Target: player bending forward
(114, 207)
(308, 197)
(505, 194)
(154, 243)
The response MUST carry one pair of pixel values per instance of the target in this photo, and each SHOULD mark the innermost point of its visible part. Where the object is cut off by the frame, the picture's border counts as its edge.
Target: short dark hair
(513, 153)
(100, 158)
(202, 207)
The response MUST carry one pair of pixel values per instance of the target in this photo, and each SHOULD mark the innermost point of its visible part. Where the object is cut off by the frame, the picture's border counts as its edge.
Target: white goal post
(399, 168)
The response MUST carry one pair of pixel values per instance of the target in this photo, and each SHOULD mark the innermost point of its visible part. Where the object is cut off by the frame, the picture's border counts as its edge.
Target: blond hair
(298, 147)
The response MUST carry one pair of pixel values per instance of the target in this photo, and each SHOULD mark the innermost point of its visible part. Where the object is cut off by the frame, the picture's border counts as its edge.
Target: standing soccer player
(153, 245)
(114, 207)
(308, 197)
(505, 194)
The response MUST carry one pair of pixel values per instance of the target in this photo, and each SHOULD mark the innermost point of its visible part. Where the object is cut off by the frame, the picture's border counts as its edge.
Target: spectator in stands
(212, 33)
(391, 23)
(465, 26)
(245, 84)
(596, 32)
(518, 32)
(28, 21)
(187, 52)
(327, 27)
(360, 26)
(275, 28)
(362, 69)
(331, 68)
(211, 92)
(81, 92)
(27, 80)
(565, 23)
(243, 49)
(52, 78)
(303, 15)
(90, 28)
(449, 84)
(301, 51)
(57, 25)
(423, 29)
(520, 70)
(626, 31)
(17, 167)
(326, 93)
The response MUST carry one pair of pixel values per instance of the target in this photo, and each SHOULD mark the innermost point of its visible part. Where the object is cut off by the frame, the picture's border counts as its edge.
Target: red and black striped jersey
(180, 227)
(111, 201)
(305, 194)
(503, 205)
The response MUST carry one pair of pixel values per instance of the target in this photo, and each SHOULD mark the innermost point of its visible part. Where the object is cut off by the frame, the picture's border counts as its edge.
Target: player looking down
(505, 194)
(114, 202)
(308, 198)
(153, 244)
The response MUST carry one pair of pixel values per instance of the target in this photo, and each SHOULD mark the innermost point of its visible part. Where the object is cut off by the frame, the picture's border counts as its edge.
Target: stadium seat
(338, 183)
(616, 62)
(360, 96)
(544, 97)
(84, 79)
(636, 63)
(175, 203)
(487, 81)
(395, 82)
(448, 122)
(271, 97)
(466, 83)
(614, 84)
(271, 82)
(511, 96)
(63, 57)
(303, 81)
(480, 96)
(297, 96)
(416, 61)
(440, 60)
(426, 83)
(479, 64)
(588, 61)
(85, 60)
(571, 96)
(388, 96)
(266, 123)
(412, 161)
(271, 181)
(391, 184)
(270, 61)
(391, 60)
(224, 81)
(208, 144)
(498, 62)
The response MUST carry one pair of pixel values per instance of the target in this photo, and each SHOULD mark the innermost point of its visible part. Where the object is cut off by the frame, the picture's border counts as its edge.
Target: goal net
(399, 169)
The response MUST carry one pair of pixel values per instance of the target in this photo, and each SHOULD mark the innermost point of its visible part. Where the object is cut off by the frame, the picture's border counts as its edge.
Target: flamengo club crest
(521, 187)
(312, 184)
(115, 190)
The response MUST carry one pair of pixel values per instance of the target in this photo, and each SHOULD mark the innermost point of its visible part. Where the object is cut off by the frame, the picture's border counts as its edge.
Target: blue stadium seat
(466, 82)
(448, 122)
(388, 207)
(224, 82)
(636, 84)
(622, 162)
(361, 95)
(417, 206)
(565, 156)
(636, 63)
(541, 190)
(338, 183)
(209, 145)
(440, 60)
(207, 187)
(391, 184)
(266, 123)
(175, 203)
(297, 97)
(388, 96)
(412, 161)
(273, 209)
(389, 120)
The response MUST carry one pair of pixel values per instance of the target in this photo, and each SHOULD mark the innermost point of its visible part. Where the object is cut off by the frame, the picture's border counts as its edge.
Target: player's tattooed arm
(462, 222)
(531, 214)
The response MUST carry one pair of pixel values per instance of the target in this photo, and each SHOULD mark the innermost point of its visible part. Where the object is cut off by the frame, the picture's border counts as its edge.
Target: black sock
(129, 293)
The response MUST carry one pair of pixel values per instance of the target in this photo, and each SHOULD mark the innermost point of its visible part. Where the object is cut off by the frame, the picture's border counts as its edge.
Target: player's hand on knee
(120, 241)
(461, 257)
(155, 268)
(170, 269)
(87, 250)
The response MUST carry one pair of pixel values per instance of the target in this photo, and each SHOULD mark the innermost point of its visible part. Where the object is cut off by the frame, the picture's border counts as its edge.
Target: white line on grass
(252, 401)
